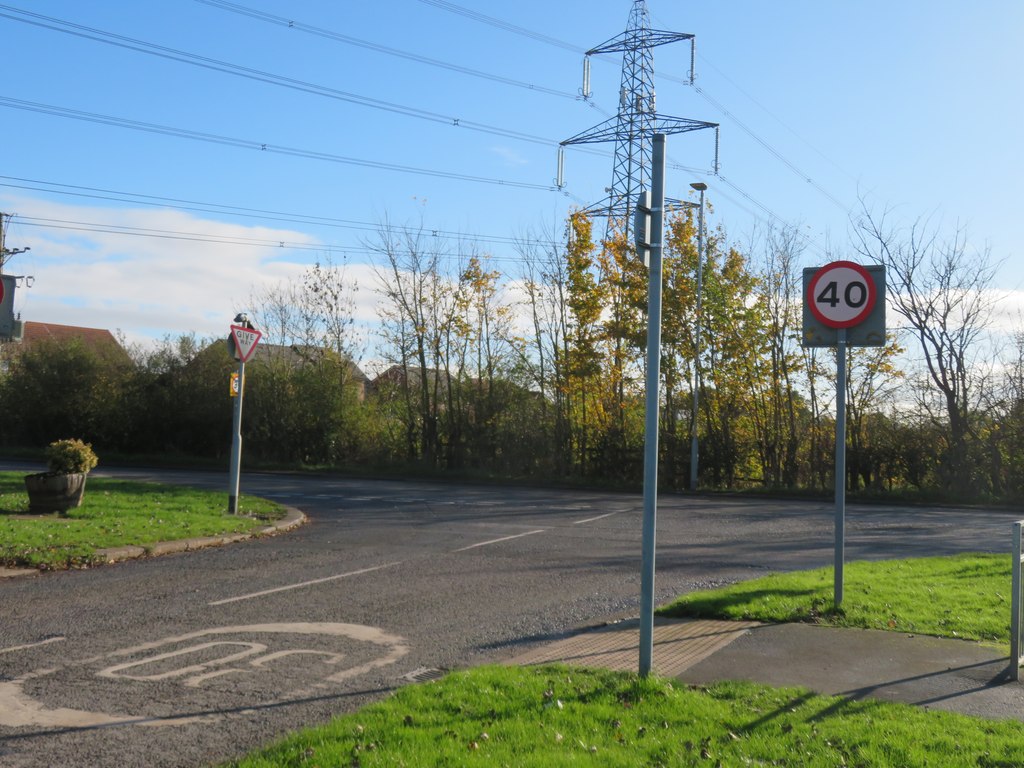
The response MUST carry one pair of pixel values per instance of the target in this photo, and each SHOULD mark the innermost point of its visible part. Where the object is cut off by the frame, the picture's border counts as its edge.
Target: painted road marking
(592, 519)
(260, 658)
(503, 538)
(302, 584)
(31, 645)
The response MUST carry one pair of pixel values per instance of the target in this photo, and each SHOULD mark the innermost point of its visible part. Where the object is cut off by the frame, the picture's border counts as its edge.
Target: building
(97, 340)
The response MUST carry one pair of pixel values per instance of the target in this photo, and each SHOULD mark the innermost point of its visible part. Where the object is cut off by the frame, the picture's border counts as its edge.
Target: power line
(771, 150)
(240, 211)
(776, 118)
(140, 46)
(494, 22)
(213, 138)
(202, 237)
(281, 21)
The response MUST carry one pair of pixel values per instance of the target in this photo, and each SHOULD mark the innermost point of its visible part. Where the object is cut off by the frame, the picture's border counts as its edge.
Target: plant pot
(50, 492)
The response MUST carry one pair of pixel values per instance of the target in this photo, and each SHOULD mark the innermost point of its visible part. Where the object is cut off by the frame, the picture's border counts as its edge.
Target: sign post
(241, 343)
(844, 305)
(652, 396)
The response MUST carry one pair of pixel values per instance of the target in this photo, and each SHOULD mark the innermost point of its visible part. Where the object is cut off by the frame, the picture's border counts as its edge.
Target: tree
(418, 302)
(776, 402)
(306, 396)
(56, 390)
(544, 283)
(585, 297)
(941, 289)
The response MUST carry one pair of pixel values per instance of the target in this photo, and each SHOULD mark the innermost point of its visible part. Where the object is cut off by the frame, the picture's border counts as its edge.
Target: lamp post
(700, 187)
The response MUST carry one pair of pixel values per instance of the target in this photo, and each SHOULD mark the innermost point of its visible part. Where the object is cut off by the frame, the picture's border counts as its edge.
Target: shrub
(67, 457)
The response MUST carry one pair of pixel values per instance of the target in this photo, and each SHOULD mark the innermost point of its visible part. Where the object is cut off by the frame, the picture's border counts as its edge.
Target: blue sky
(915, 106)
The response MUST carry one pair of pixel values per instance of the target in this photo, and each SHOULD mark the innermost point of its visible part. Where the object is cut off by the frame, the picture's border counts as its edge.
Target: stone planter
(54, 492)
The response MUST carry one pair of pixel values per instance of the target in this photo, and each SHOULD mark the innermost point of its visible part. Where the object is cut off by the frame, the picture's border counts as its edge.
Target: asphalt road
(190, 659)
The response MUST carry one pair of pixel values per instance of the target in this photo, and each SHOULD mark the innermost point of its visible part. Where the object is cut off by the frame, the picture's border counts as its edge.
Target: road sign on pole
(242, 342)
(245, 340)
(844, 306)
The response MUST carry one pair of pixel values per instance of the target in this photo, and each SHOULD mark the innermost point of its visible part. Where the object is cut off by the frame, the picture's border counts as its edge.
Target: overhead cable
(140, 46)
(349, 40)
(137, 198)
(213, 138)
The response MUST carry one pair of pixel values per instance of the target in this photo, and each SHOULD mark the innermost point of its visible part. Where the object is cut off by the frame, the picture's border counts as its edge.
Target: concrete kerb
(292, 519)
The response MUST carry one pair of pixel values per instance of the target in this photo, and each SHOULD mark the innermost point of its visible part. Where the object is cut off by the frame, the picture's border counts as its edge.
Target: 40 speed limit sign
(844, 296)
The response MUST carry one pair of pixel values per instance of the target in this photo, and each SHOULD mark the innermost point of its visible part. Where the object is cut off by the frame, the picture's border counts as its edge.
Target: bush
(68, 457)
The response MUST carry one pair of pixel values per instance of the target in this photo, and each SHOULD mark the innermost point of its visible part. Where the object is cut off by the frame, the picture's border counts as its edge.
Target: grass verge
(117, 513)
(555, 716)
(965, 596)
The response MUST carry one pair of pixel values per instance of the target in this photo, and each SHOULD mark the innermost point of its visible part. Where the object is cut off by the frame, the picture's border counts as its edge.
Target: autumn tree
(581, 354)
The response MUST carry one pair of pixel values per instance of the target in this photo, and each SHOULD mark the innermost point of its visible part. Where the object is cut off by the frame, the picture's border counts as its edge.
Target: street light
(701, 187)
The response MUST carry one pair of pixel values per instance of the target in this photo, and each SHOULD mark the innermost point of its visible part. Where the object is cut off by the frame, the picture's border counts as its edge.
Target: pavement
(930, 672)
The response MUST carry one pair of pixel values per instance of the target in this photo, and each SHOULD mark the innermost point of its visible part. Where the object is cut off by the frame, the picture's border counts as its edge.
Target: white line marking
(592, 519)
(32, 645)
(302, 584)
(503, 538)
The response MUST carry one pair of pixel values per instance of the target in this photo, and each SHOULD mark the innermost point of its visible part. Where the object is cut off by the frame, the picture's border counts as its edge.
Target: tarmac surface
(933, 673)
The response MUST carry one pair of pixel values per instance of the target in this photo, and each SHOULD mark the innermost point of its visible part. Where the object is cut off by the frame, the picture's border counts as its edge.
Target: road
(185, 660)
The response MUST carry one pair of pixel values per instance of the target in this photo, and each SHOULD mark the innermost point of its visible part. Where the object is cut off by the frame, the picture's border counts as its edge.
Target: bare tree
(941, 288)
(416, 300)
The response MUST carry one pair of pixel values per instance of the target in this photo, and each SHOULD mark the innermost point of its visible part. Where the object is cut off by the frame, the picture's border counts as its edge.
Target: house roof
(96, 339)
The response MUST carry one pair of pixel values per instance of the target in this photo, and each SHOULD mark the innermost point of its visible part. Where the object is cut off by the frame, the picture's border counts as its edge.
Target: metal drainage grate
(424, 675)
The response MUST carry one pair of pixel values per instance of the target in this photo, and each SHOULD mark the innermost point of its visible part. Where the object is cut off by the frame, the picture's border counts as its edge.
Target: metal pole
(694, 449)
(841, 345)
(1015, 604)
(652, 403)
(236, 444)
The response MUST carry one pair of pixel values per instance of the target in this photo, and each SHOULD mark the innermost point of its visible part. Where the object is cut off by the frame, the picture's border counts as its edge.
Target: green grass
(550, 717)
(966, 596)
(117, 513)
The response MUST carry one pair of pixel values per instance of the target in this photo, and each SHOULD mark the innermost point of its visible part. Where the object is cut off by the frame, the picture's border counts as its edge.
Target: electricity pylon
(633, 128)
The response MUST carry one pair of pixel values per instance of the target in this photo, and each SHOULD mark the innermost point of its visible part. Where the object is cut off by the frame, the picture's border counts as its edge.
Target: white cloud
(510, 156)
(145, 286)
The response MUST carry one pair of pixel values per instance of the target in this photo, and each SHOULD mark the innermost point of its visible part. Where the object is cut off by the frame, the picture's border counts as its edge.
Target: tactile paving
(678, 645)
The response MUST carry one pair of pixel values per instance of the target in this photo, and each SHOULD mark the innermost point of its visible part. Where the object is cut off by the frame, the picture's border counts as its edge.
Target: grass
(117, 513)
(550, 717)
(965, 596)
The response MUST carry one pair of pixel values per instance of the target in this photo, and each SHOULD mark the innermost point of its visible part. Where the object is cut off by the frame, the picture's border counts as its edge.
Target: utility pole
(5, 252)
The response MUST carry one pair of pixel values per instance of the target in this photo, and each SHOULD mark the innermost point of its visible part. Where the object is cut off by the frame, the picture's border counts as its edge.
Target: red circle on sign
(841, 294)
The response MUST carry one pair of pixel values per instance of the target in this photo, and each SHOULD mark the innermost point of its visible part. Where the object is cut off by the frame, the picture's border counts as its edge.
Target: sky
(166, 161)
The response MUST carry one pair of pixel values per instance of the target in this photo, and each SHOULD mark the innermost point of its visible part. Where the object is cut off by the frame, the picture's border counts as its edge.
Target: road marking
(300, 585)
(592, 519)
(32, 645)
(503, 538)
(262, 647)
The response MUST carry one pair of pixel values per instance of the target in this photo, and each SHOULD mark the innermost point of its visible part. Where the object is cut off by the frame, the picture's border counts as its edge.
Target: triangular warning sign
(246, 340)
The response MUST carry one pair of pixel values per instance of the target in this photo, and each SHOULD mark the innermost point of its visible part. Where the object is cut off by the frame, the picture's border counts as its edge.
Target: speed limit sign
(841, 294)
(844, 297)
